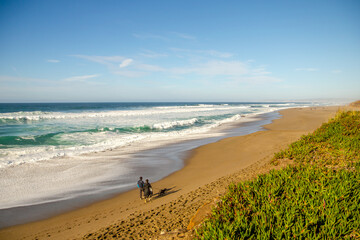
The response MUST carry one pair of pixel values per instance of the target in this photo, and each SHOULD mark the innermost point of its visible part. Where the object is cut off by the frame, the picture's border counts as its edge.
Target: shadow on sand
(164, 192)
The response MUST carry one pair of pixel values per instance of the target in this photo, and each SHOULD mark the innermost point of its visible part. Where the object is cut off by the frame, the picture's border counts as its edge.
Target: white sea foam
(189, 106)
(27, 138)
(96, 142)
(106, 138)
(36, 116)
(228, 120)
(88, 142)
(53, 181)
(167, 125)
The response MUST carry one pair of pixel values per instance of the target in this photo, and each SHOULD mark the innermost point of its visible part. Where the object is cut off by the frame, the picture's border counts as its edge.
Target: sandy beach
(207, 172)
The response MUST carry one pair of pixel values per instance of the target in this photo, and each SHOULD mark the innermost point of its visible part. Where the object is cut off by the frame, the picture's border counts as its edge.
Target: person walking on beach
(147, 190)
(140, 185)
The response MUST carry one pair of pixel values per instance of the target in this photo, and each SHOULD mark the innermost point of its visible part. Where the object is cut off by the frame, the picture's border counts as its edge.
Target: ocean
(53, 152)
(34, 132)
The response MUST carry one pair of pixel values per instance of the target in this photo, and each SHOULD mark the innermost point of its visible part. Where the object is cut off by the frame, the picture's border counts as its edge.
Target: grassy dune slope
(318, 198)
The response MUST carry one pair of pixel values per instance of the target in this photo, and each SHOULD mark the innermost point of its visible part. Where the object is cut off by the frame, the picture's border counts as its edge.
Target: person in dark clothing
(147, 190)
(140, 185)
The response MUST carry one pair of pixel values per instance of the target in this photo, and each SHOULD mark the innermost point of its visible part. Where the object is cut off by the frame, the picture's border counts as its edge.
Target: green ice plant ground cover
(336, 143)
(318, 198)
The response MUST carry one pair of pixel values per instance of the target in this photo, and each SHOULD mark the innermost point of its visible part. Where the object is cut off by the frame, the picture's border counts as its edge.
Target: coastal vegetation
(316, 198)
(355, 104)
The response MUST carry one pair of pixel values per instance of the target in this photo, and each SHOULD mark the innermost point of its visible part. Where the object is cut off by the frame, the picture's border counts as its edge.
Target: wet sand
(204, 178)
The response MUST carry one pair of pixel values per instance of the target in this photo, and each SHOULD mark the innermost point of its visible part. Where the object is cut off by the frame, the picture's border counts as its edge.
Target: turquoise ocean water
(53, 152)
(36, 132)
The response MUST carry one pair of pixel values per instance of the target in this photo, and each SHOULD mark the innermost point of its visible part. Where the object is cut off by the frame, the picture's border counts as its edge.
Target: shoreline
(201, 168)
(172, 157)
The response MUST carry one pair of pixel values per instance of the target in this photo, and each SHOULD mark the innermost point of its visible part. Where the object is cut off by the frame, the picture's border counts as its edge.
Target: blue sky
(61, 51)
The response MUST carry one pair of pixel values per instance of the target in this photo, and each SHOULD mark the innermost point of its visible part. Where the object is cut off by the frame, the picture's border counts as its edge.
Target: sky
(126, 51)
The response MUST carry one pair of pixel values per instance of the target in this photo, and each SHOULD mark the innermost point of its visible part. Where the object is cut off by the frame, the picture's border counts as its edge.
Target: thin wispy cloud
(102, 59)
(184, 36)
(138, 70)
(113, 63)
(235, 71)
(53, 61)
(203, 53)
(152, 54)
(307, 69)
(224, 68)
(196, 63)
(214, 68)
(260, 71)
(218, 54)
(80, 78)
(125, 63)
(122, 66)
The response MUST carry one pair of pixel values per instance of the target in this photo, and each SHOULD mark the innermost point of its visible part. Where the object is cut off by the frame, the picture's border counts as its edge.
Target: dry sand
(204, 178)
